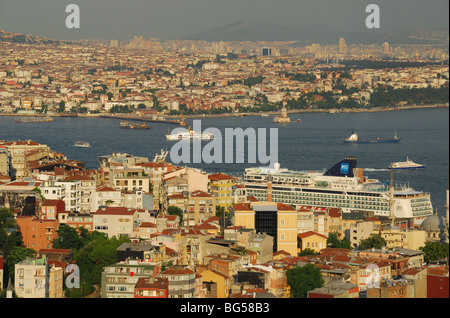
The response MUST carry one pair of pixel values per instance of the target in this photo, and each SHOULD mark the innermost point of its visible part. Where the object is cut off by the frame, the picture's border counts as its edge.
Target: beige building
(130, 179)
(18, 151)
(404, 238)
(35, 278)
(4, 161)
(115, 221)
(359, 231)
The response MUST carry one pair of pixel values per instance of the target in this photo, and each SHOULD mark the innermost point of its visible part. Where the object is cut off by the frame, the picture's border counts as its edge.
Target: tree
(302, 279)
(434, 251)
(67, 238)
(174, 210)
(17, 255)
(307, 251)
(7, 223)
(333, 241)
(373, 241)
(62, 106)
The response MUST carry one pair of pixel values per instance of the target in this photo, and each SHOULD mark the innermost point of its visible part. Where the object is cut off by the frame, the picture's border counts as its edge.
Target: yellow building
(223, 282)
(311, 240)
(275, 219)
(26, 103)
(410, 239)
(221, 186)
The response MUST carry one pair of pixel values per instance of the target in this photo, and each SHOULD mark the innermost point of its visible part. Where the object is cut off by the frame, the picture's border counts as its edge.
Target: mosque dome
(434, 223)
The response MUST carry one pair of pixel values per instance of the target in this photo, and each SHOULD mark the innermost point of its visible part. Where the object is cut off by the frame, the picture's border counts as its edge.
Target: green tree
(434, 251)
(174, 210)
(373, 241)
(62, 106)
(7, 224)
(333, 241)
(16, 255)
(302, 279)
(307, 251)
(67, 238)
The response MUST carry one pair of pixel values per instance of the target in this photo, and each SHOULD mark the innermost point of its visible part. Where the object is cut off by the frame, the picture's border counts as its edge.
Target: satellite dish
(276, 166)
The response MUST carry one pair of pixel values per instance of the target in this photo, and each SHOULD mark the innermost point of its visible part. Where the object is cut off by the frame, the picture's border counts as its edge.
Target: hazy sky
(164, 19)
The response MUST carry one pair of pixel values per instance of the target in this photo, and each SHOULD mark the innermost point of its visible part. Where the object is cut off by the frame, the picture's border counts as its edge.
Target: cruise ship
(342, 186)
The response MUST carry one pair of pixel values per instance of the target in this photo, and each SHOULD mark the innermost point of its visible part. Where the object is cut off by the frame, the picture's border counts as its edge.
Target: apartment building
(106, 196)
(69, 191)
(18, 150)
(37, 233)
(119, 280)
(181, 282)
(35, 278)
(87, 189)
(151, 287)
(115, 221)
(51, 208)
(130, 179)
(197, 206)
(223, 188)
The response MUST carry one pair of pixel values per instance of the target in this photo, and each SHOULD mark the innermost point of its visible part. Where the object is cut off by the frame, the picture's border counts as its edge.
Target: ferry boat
(82, 144)
(408, 164)
(343, 186)
(189, 135)
(130, 125)
(37, 119)
(354, 139)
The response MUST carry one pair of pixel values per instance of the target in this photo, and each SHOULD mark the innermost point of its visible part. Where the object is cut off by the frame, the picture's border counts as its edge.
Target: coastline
(270, 113)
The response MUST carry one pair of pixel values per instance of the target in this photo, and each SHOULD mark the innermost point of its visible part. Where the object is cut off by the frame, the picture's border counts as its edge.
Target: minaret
(9, 289)
(391, 199)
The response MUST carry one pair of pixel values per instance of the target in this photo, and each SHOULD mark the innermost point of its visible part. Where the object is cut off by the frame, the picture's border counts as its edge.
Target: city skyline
(175, 19)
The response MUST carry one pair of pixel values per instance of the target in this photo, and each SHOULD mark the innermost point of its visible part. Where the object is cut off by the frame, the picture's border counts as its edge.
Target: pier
(144, 119)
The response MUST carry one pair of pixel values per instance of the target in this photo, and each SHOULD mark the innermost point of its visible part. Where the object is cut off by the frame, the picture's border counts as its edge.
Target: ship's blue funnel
(343, 168)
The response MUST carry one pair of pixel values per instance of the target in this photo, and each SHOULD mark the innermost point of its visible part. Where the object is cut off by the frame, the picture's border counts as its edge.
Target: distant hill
(256, 30)
(23, 38)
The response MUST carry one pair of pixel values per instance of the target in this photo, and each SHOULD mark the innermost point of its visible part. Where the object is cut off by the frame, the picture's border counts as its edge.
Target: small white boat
(408, 164)
(82, 144)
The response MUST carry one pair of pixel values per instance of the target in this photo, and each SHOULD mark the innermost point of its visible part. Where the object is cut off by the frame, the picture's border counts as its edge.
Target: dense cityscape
(144, 227)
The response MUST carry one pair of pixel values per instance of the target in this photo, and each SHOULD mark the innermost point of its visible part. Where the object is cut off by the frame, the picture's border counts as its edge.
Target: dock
(144, 119)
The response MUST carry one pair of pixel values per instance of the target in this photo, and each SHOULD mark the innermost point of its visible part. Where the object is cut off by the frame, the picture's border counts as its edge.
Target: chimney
(269, 190)
(360, 174)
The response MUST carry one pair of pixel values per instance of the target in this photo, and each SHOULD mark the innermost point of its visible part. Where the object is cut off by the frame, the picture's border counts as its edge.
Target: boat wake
(375, 170)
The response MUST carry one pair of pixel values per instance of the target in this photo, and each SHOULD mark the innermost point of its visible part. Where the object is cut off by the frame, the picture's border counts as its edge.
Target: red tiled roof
(51, 202)
(219, 176)
(185, 271)
(310, 233)
(200, 193)
(115, 211)
(105, 188)
(147, 224)
(242, 206)
(284, 207)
